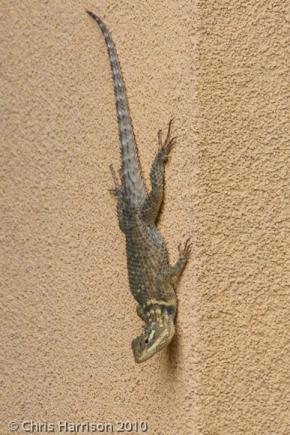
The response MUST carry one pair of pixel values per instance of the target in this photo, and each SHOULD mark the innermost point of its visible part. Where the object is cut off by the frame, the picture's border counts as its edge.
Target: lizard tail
(132, 182)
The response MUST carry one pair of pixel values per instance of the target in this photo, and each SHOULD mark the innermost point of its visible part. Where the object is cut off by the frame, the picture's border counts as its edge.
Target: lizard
(152, 280)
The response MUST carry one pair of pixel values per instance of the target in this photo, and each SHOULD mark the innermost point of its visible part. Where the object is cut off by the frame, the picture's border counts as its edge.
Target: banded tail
(132, 183)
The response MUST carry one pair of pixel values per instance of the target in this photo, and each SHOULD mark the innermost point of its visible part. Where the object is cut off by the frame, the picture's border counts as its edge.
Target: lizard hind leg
(153, 200)
(117, 189)
(117, 192)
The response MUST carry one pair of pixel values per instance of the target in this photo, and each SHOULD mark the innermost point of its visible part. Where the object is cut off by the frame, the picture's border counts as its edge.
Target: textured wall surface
(67, 318)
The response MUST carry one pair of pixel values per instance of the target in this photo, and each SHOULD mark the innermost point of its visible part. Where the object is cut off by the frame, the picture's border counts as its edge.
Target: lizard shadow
(172, 353)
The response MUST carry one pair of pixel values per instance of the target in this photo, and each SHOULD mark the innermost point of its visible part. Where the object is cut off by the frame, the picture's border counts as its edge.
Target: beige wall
(67, 317)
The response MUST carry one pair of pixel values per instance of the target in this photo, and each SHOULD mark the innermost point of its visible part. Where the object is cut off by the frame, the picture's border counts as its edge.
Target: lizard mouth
(155, 336)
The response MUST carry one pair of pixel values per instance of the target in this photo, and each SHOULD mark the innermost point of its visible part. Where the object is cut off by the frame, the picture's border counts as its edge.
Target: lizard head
(157, 333)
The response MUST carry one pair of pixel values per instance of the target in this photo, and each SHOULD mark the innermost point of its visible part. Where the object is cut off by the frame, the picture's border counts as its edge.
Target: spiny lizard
(151, 278)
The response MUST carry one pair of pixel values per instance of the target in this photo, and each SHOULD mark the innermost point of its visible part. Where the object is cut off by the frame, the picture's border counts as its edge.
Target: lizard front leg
(153, 200)
(174, 272)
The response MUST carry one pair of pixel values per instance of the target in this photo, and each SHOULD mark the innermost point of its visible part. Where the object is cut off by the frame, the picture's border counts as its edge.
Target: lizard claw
(115, 191)
(185, 249)
(166, 146)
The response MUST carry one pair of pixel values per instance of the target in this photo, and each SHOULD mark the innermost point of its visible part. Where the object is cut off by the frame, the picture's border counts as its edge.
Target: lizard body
(150, 275)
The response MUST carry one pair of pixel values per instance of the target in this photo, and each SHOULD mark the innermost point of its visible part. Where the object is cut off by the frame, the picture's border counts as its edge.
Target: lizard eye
(149, 337)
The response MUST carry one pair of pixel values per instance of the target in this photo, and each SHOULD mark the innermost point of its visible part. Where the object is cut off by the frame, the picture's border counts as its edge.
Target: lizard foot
(185, 249)
(115, 191)
(166, 146)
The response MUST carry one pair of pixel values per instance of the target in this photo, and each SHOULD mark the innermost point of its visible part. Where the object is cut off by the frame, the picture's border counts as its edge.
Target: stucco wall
(67, 318)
